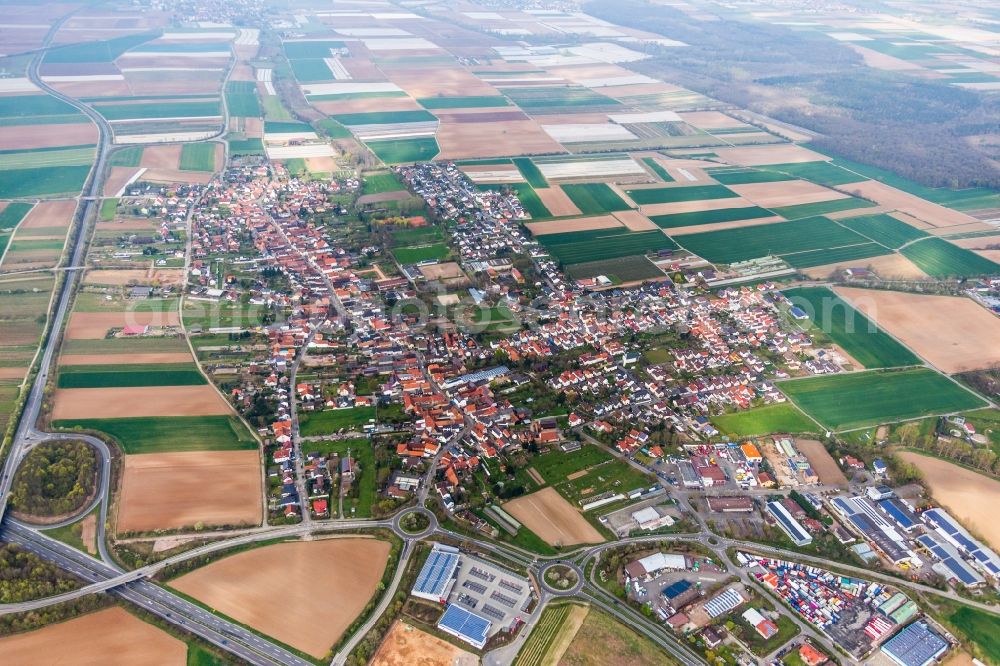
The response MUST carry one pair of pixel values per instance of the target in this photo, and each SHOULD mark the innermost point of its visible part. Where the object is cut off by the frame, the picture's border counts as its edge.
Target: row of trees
(55, 478)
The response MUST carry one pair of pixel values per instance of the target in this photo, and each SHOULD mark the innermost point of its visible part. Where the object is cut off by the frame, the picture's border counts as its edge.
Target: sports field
(739, 244)
(413, 255)
(939, 258)
(779, 418)
(158, 434)
(883, 229)
(659, 195)
(594, 198)
(697, 218)
(140, 374)
(860, 399)
(198, 157)
(601, 244)
(398, 151)
(854, 332)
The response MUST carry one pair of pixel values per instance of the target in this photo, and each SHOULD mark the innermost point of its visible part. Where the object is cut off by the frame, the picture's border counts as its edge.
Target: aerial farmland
(467, 332)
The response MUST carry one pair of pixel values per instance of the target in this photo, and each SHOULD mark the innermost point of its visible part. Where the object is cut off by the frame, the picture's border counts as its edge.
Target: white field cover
(307, 150)
(162, 138)
(165, 55)
(498, 175)
(337, 68)
(649, 117)
(83, 77)
(607, 52)
(196, 35)
(399, 44)
(588, 132)
(348, 88)
(373, 32)
(20, 84)
(590, 168)
(611, 81)
(285, 137)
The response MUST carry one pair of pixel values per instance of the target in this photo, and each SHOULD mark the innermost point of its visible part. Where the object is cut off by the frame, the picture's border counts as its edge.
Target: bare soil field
(46, 136)
(635, 220)
(127, 224)
(127, 276)
(573, 224)
(884, 61)
(962, 229)
(886, 266)
(786, 193)
(757, 155)
(123, 359)
(88, 533)
(49, 214)
(175, 176)
(448, 270)
(406, 645)
(822, 462)
(556, 201)
(95, 325)
(253, 128)
(161, 157)
(93, 88)
(279, 589)
(111, 636)
(980, 243)
(119, 402)
(953, 334)
(932, 213)
(552, 518)
(968, 496)
(480, 116)
(719, 226)
(12, 373)
(162, 491)
(469, 140)
(118, 177)
(367, 104)
(321, 164)
(438, 81)
(709, 120)
(694, 206)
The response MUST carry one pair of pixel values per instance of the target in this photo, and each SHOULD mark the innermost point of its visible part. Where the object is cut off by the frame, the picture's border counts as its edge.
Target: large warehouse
(916, 645)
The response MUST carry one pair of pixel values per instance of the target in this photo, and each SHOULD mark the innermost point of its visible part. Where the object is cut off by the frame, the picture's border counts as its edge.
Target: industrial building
(730, 504)
(949, 529)
(877, 524)
(653, 565)
(949, 563)
(915, 645)
(788, 524)
(437, 576)
(723, 602)
(465, 626)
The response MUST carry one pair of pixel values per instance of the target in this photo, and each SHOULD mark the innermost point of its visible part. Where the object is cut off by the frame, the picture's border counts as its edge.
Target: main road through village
(103, 575)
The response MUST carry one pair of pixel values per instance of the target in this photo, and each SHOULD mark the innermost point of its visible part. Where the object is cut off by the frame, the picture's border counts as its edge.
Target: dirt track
(405, 645)
(305, 593)
(552, 518)
(174, 490)
(117, 402)
(110, 636)
(954, 334)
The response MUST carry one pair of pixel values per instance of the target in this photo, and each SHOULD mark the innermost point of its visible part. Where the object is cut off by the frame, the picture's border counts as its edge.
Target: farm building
(916, 645)
(788, 524)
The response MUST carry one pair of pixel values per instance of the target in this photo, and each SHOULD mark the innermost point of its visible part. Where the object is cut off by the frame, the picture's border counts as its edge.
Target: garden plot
(589, 133)
(596, 168)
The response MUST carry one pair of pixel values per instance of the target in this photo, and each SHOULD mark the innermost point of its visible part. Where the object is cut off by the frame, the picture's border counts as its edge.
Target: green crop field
(46, 157)
(657, 195)
(594, 198)
(241, 99)
(29, 245)
(310, 70)
(485, 101)
(852, 330)
(384, 117)
(376, 183)
(859, 399)
(12, 215)
(413, 255)
(46, 180)
(106, 50)
(555, 98)
(781, 238)
(330, 421)
(33, 106)
(576, 247)
(700, 217)
(529, 199)
(980, 627)
(335, 130)
(129, 156)
(531, 173)
(160, 434)
(343, 97)
(245, 147)
(285, 127)
(198, 157)
(273, 109)
(884, 229)
(311, 49)
(149, 110)
(853, 253)
(821, 208)
(622, 269)
(142, 374)
(939, 258)
(115, 346)
(782, 417)
(397, 151)
(658, 169)
(188, 47)
(746, 176)
(823, 173)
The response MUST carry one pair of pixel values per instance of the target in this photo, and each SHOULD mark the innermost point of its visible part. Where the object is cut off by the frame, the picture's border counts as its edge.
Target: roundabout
(415, 523)
(561, 579)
